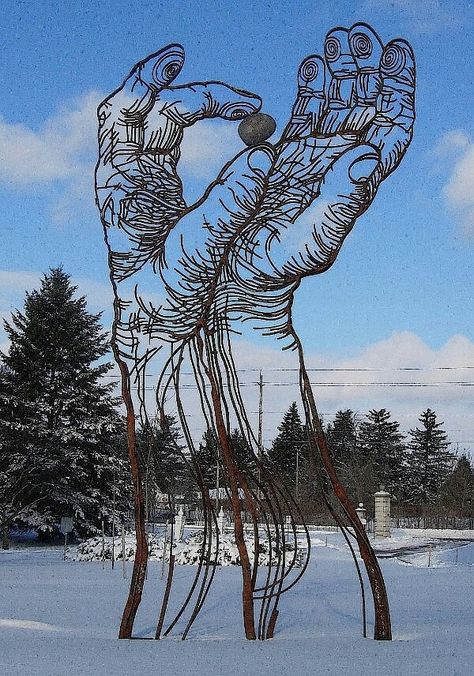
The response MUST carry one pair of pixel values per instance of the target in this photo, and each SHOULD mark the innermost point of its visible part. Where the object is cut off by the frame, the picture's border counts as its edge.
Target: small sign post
(361, 513)
(66, 527)
(124, 568)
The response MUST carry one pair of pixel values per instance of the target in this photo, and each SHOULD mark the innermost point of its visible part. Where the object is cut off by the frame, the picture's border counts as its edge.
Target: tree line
(63, 445)
(370, 452)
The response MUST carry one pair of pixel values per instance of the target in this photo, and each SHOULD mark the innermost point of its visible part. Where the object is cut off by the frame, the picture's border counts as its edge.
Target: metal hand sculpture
(276, 213)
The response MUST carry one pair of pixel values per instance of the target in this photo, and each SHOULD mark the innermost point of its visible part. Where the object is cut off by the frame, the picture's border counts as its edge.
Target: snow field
(60, 618)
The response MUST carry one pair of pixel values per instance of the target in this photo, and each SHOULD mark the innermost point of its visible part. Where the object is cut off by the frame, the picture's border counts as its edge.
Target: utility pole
(297, 471)
(217, 483)
(114, 491)
(260, 425)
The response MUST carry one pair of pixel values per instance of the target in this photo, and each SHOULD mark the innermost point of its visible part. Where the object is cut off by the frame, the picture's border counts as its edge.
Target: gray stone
(256, 128)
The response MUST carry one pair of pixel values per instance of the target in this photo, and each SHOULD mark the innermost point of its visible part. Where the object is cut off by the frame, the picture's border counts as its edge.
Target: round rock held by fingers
(256, 128)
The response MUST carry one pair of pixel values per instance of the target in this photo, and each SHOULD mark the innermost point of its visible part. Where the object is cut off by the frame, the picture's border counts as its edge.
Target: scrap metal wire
(184, 282)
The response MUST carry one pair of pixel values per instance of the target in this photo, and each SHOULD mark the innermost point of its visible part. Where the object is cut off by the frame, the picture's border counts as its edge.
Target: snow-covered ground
(60, 618)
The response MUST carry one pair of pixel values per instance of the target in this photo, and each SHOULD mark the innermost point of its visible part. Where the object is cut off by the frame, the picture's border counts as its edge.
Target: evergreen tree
(165, 469)
(357, 451)
(354, 469)
(65, 428)
(208, 456)
(457, 492)
(428, 462)
(17, 472)
(289, 450)
(381, 447)
(341, 436)
(243, 452)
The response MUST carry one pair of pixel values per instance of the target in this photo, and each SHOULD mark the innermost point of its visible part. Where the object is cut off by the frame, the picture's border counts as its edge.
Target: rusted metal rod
(141, 552)
(233, 474)
(382, 628)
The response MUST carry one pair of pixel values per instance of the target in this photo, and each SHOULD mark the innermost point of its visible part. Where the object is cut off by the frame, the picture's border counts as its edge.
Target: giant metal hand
(275, 214)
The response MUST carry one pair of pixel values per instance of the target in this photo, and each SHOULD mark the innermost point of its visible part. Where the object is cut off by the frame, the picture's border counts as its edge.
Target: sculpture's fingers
(322, 227)
(341, 91)
(159, 69)
(310, 101)
(366, 48)
(187, 104)
(139, 89)
(392, 127)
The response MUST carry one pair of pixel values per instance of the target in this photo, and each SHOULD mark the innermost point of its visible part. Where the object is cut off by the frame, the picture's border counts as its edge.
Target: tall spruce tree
(165, 469)
(208, 455)
(289, 451)
(382, 448)
(428, 462)
(457, 493)
(64, 425)
(341, 436)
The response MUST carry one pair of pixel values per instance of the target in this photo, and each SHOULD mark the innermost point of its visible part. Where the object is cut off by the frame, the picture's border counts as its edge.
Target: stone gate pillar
(382, 514)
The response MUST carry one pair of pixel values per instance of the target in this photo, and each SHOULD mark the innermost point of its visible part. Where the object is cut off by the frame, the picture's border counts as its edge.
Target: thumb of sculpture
(256, 128)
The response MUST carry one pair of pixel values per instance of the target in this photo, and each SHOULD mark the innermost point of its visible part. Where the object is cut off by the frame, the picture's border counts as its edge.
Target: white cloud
(295, 236)
(17, 280)
(383, 375)
(28, 156)
(99, 295)
(61, 150)
(458, 192)
(452, 143)
(374, 378)
(460, 188)
(206, 146)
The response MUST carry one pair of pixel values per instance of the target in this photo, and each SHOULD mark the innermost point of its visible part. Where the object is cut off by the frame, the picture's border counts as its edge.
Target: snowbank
(187, 553)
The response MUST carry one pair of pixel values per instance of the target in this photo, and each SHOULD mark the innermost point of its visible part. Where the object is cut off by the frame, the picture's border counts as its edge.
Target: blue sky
(401, 291)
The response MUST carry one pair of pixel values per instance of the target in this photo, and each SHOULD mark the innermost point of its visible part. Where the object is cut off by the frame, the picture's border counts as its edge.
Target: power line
(450, 383)
(362, 369)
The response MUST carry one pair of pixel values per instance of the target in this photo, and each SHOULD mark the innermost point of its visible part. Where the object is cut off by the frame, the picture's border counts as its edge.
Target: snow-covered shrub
(188, 552)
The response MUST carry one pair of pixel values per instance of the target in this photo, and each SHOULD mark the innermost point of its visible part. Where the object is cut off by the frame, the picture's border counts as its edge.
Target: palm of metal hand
(350, 127)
